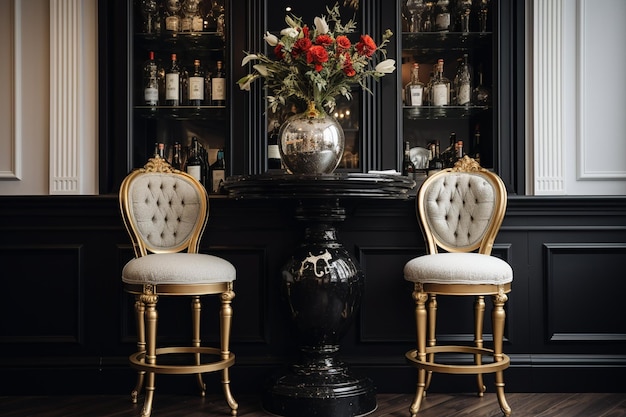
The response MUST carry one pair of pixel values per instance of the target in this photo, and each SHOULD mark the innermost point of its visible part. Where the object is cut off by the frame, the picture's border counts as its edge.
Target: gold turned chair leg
(479, 317)
(151, 317)
(226, 315)
(140, 309)
(432, 340)
(420, 298)
(196, 310)
(498, 318)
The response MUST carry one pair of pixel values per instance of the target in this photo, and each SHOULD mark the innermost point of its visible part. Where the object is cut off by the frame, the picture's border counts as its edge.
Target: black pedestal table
(322, 285)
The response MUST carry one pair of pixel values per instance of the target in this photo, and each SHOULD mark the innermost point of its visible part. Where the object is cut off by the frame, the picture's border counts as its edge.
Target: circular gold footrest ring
(138, 361)
(459, 369)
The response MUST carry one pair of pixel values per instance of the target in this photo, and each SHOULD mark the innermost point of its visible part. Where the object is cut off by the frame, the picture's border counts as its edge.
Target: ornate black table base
(322, 285)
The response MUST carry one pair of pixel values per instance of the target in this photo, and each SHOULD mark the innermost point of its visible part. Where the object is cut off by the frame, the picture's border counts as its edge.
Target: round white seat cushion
(458, 268)
(178, 268)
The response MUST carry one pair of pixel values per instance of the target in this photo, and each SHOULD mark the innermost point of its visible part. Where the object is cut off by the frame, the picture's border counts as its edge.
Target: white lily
(245, 82)
(386, 67)
(291, 32)
(271, 40)
(321, 26)
(292, 23)
(262, 69)
(248, 58)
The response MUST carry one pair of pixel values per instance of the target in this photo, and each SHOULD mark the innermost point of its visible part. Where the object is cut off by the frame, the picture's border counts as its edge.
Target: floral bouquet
(317, 64)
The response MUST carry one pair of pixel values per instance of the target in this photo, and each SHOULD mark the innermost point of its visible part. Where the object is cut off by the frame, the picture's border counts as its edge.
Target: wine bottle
(207, 87)
(463, 83)
(435, 164)
(273, 154)
(414, 89)
(440, 89)
(475, 150)
(448, 154)
(176, 159)
(151, 82)
(172, 83)
(218, 173)
(194, 162)
(408, 168)
(218, 85)
(184, 87)
(196, 85)
(161, 151)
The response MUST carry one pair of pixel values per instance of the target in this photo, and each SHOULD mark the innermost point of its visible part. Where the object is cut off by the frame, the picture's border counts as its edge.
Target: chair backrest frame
(197, 211)
(484, 244)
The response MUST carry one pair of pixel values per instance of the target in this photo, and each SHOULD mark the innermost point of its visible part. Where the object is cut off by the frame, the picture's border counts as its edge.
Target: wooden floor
(439, 405)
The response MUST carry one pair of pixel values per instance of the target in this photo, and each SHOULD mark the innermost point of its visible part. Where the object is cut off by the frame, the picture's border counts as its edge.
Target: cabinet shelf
(182, 112)
(445, 112)
(196, 41)
(450, 41)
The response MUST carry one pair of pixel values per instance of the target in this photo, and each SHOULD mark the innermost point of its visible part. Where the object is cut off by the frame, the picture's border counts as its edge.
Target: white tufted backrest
(461, 209)
(164, 210)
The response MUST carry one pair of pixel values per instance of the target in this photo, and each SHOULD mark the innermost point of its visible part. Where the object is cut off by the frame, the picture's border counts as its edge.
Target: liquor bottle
(218, 173)
(151, 82)
(218, 85)
(273, 154)
(448, 155)
(414, 90)
(172, 83)
(194, 162)
(463, 83)
(161, 151)
(475, 149)
(415, 9)
(176, 159)
(190, 12)
(172, 17)
(196, 85)
(210, 20)
(464, 9)
(150, 12)
(440, 88)
(480, 94)
(458, 149)
(442, 16)
(408, 168)
(435, 164)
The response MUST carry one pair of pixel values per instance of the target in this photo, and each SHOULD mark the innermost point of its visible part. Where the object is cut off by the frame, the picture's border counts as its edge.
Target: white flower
(262, 69)
(386, 67)
(291, 32)
(248, 58)
(271, 40)
(244, 82)
(292, 23)
(321, 26)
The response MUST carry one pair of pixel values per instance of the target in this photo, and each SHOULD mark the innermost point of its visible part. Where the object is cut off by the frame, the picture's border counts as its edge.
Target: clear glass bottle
(196, 85)
(416, 9)
(151, 81)
(218, 85)
(172, 15)
(151, 20)
(481, 95)
(414, 90)
(443, 21)
(463, 11)
(463, 83)
(172, 83)
(440, 87)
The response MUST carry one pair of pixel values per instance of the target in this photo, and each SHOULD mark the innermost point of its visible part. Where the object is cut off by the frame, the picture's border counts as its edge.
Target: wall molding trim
(14, 171)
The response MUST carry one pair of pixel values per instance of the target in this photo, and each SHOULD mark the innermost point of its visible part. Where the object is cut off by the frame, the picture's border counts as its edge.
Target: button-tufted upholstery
(460, 211)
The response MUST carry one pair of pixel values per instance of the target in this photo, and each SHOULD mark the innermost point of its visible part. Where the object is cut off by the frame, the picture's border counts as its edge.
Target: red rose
(300, 47)
(366, 46)
(317, 55)
(343, 43)
(347, 66)
(324, 40)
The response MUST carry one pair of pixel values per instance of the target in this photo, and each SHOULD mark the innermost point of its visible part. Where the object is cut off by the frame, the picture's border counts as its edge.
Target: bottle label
(171, 86)
(185, 24)
(151, 96)
(440, 95)
(218, 88)
(195, 171)
(463, 96)
(415, 98)
(273, 152)
(196, 88)
(171, 23)
(442, 21)
(197, 24)
(217, 179)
